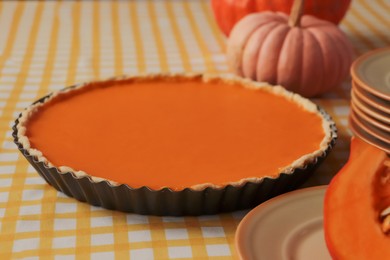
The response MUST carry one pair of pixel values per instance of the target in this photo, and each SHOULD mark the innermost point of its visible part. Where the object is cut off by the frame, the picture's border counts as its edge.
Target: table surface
(45, 46)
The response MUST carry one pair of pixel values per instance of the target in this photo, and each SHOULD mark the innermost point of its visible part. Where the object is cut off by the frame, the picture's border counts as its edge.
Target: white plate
(289, 226)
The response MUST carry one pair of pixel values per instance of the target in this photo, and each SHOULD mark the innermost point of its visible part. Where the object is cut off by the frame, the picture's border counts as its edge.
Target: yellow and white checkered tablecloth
(46, 45)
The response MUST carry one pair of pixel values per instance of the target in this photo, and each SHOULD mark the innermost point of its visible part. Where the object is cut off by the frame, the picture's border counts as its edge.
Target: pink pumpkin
(306, 55)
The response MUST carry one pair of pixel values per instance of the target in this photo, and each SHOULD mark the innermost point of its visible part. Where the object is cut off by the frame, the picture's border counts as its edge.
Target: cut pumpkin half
(357, 204)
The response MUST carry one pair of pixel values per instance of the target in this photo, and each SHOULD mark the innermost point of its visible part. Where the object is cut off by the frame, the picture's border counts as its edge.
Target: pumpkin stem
(296, 13)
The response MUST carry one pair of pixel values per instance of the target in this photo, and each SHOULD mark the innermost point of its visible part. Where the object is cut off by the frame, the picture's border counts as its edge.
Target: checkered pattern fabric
(46, 45)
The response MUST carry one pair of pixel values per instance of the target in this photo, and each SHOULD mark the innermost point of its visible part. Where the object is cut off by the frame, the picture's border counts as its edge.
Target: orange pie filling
(175, 132)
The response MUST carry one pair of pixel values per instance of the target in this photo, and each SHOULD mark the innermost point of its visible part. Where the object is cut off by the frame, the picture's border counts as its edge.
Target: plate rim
(368, 109)
(359, 91)
(356, 76)
(252, 213)
(357, 131)
(368, 119)
(370, 129)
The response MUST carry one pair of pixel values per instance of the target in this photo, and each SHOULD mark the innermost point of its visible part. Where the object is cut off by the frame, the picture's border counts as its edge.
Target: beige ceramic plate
(372, 121)
(372, 72)
(374, 101)
(384, 136)
(369, 110)
(367, 137)
(289, 226)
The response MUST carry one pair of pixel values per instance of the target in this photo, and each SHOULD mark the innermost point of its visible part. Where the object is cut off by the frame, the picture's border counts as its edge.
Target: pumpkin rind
(309, 60)
(228, 12)
(252, 49)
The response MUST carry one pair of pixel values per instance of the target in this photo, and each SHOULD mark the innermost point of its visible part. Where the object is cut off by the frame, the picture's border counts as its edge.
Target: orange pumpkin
(302, 53)
(354, 201)
(228, 12)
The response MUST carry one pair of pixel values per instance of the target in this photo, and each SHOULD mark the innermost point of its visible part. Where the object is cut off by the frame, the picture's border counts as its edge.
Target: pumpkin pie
(176, 134)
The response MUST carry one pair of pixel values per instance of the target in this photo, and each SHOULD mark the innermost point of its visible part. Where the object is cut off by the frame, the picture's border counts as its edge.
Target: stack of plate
(370, 98)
